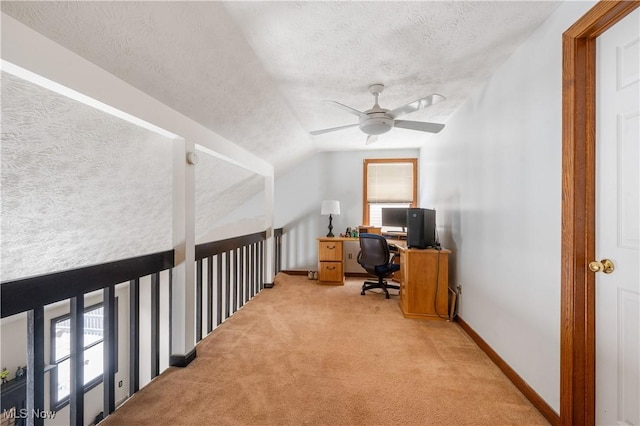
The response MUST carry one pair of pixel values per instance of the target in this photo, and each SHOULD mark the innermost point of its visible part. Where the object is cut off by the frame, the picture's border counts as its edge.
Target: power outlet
(120, 384)
(459, 288)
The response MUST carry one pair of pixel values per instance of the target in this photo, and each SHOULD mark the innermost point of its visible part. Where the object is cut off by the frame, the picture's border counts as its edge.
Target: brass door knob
(605, 265)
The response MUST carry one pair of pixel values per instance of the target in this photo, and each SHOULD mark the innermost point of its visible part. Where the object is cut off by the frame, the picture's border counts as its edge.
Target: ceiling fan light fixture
(376, 125)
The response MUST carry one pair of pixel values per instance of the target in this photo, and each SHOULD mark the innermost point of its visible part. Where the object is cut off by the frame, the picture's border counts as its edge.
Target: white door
(618, 223)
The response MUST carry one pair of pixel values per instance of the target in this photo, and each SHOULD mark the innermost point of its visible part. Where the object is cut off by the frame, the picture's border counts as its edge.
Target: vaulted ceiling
(257, 72)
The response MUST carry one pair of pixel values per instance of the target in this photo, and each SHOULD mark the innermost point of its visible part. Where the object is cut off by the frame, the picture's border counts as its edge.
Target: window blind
(390, 182)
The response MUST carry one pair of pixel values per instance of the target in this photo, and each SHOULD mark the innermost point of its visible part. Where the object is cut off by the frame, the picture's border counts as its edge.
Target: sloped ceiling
(257, 72)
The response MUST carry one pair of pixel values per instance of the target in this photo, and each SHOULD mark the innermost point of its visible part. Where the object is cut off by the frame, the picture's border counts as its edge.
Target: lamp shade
(330, 207)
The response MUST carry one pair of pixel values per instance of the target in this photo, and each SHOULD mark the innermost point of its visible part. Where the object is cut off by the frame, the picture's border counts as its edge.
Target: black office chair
(375, 258)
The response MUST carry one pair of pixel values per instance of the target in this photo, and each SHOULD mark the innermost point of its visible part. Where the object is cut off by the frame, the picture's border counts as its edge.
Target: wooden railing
(234, 274)
(233, 270)
(229, 273)
(31, 295)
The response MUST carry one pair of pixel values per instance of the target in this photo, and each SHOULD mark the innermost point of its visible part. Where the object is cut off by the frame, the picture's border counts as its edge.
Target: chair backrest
(374, 250)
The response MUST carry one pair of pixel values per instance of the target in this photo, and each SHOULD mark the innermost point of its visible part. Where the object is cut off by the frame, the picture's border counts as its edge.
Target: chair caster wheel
(387, 296)
(362, 293)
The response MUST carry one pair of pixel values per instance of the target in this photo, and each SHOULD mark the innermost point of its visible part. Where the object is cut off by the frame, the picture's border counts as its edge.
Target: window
(389, 182)
(61, 353)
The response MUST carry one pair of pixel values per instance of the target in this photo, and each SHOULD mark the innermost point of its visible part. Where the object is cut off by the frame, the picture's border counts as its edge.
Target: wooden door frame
(577, 334)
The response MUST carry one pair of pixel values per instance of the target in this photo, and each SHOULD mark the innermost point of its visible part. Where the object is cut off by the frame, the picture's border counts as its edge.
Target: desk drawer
(330, 272)
(330, 251)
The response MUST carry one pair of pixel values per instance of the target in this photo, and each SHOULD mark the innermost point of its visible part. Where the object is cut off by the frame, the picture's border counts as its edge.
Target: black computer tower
(421, 228)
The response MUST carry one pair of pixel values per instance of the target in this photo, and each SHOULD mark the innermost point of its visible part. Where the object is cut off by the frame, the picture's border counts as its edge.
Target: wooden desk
(330, 260)
(424, 282)
(423, 276)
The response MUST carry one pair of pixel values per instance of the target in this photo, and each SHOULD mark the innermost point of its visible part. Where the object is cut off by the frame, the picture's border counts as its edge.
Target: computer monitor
(395, 216)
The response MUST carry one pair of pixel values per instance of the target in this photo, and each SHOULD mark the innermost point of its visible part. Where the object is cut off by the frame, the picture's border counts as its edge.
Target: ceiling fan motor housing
(376, 123)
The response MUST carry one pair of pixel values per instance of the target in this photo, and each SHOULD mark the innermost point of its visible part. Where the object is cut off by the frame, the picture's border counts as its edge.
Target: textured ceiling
(257, 72)
(79, 186)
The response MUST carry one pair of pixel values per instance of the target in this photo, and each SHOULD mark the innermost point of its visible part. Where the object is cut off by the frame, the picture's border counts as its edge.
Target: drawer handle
(330, 268)
(331, 248)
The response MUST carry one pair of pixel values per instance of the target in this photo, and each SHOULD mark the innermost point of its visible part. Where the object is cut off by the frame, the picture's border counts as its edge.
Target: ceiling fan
(376, 121)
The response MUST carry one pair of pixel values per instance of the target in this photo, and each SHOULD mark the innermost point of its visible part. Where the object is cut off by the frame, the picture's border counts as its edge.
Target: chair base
(368, 285)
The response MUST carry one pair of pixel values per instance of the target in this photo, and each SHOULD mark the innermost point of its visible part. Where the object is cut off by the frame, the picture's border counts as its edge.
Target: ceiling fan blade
(371, 139)
(419, 125)
(333, 129)
(416, 105)
(346, 108)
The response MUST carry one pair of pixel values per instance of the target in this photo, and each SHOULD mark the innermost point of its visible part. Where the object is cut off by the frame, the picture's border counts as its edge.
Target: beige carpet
(301, 353)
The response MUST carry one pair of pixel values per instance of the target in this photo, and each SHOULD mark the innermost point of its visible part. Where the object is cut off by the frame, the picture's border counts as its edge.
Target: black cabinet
(13, 395)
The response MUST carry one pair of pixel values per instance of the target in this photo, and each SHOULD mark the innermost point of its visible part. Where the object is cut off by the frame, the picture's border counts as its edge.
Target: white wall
(494, 177)
(80, 190)
(226, 207)
(299, 194)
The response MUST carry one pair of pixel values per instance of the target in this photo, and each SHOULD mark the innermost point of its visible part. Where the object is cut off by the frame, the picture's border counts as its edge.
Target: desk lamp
(330, 207)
